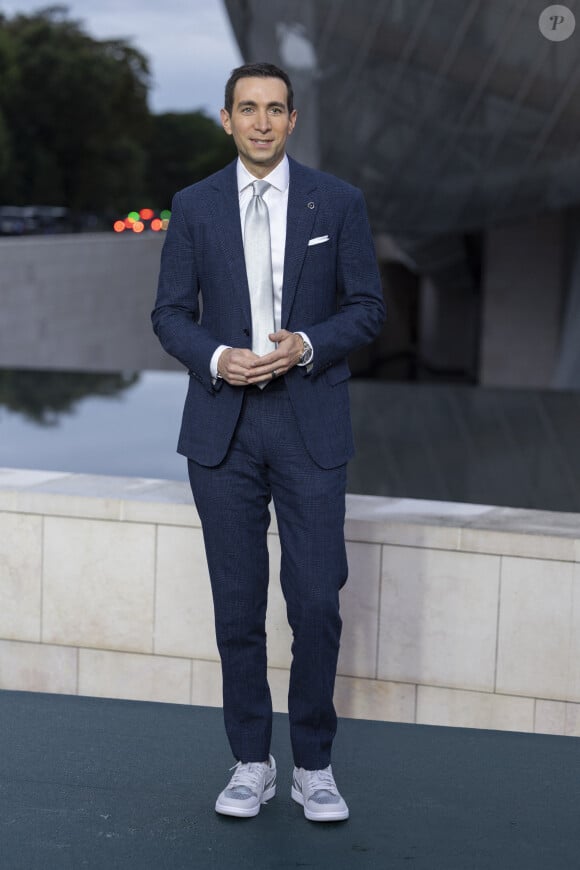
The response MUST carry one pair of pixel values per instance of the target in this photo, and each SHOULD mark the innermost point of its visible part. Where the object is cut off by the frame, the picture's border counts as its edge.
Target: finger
(265, 376)
(244, 357)
(269, 360)
(280, 335)
(266, 372)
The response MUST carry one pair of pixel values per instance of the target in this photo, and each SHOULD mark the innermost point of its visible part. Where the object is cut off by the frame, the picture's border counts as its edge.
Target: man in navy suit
(270, 425)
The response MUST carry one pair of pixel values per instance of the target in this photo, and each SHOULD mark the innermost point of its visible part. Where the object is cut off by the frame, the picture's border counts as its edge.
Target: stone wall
(80, 302)
(454, 614)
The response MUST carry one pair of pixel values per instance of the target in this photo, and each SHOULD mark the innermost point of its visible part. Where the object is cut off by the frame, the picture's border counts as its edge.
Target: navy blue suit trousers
(267, 460)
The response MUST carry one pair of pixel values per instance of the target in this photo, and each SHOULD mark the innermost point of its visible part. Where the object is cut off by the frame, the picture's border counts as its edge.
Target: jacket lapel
(225, 208)
(302, 208)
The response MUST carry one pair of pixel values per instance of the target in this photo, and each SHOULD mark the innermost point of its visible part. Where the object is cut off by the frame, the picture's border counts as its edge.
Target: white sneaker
(251, 786)
(316, 791)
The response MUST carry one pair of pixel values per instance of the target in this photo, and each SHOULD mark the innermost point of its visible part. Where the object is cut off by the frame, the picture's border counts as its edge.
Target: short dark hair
(260, 70)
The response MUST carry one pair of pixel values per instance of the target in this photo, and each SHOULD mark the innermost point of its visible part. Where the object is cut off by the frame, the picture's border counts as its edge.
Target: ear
(226, 123)
(292, 121)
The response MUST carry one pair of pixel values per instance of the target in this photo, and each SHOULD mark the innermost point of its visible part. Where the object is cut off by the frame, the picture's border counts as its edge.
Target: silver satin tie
(258, 254)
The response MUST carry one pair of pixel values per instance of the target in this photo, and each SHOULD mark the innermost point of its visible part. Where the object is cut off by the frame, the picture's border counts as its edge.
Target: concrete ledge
(454, 614)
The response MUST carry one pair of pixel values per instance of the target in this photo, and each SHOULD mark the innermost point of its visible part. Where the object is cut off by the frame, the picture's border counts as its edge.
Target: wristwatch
(307, 353)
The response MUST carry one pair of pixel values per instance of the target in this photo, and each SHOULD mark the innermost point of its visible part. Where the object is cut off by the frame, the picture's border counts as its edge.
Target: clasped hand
(240, 366)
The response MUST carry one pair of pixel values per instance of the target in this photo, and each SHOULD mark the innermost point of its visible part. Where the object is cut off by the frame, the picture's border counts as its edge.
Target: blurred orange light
(138, 227)
(156, 225)
(164, 224)
(146, 214)
(119, 226)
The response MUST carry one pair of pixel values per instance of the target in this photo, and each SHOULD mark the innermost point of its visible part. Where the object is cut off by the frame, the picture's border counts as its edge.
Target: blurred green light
(133, 215)
(165, 214)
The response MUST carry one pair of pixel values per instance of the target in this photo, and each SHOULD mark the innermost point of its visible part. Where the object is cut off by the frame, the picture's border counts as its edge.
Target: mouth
(261, 143)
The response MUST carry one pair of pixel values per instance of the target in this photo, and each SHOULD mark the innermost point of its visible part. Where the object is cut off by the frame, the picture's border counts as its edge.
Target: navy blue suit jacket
(331, 291)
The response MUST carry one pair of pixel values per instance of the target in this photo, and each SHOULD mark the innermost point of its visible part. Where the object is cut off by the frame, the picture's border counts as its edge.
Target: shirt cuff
(213, 363)
(311, 360)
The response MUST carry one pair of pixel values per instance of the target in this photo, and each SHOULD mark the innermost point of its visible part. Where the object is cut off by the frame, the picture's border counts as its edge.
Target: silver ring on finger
(274, 373)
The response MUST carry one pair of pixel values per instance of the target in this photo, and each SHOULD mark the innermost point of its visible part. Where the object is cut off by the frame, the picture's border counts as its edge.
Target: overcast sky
(189, 43)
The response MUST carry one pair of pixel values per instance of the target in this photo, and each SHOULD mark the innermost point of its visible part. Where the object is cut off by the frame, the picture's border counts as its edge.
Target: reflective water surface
(123, 424)
(517, 448)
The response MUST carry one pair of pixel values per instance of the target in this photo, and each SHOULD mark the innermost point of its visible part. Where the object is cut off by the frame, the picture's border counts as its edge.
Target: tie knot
(260, 187)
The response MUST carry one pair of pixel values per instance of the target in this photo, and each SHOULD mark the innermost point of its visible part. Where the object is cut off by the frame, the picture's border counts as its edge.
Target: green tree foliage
(6, 71)
(45, 396)
(185, 147)
(75, 126)
(76, 111)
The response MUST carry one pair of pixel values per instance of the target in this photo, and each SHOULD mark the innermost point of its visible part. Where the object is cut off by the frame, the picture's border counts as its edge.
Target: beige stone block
(35, 667)
(277, 628)
(539, 629)
(374, 699)
(91, 496)
(359, 604)
(410, 522)
(512, 543)
(206, 684)
(399, 532)
(184, 617)
(278, 680)
(557, 717)
(98, 584)
(462, 709)
(105, 674)
(165, 513)
(9, 501)
(438, 618)
(20, 576)
(66, 505)
(164, 502)
(550, 717)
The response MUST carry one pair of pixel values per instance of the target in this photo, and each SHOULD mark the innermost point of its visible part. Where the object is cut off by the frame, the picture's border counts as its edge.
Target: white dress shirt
(276, 198)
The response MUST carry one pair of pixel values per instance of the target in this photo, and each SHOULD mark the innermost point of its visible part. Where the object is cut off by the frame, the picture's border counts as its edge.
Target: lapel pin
(310, 205)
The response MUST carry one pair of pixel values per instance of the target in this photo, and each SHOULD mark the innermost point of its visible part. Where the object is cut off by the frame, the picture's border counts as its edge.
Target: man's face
(260, 123)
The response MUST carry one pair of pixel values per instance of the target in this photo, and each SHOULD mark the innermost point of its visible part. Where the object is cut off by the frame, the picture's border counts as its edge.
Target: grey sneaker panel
(324, 797)
(240, 793)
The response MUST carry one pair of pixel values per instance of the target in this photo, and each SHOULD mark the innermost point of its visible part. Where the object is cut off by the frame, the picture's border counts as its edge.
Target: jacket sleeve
(177, 312)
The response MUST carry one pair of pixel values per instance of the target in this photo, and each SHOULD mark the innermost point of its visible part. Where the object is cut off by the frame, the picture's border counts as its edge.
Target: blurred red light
(156, 225)
(128, 222)
(119, 226)
(138, 227)
(146, 214)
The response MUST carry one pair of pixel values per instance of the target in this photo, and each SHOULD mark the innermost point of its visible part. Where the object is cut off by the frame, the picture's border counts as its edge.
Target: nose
(262, 120)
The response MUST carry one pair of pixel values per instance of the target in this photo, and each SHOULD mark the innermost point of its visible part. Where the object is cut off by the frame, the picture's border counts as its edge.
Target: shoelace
(321, 780)
(246, 775)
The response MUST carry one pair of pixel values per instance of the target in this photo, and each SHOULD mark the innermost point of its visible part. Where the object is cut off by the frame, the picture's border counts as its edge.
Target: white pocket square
(318, 240)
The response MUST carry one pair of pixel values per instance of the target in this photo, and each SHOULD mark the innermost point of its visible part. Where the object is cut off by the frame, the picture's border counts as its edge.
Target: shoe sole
(243, 813)
(327, 816)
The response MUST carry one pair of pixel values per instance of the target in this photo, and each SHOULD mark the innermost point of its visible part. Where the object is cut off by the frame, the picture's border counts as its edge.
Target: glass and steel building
(460, 120)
